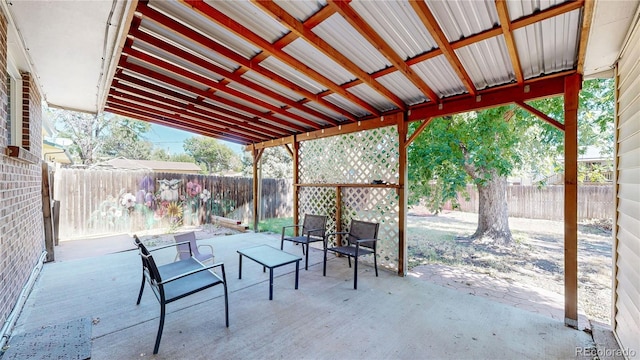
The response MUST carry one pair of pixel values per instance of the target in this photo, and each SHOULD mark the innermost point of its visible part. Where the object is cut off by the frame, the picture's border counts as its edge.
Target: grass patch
(275, 225)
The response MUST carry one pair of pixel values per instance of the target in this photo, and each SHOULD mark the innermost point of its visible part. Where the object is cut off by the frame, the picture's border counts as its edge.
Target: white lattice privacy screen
(356, 158)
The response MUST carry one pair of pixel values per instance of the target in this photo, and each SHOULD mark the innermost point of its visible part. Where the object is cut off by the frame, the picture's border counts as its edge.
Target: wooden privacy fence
(98, 202)
(594, 201)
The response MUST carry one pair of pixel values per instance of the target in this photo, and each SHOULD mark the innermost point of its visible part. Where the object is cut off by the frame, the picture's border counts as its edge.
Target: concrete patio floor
(388, 317)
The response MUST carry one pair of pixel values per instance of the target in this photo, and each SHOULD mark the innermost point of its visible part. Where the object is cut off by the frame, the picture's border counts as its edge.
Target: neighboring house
(52, 150)
(152, 165)
(593, 168)
(55, 153)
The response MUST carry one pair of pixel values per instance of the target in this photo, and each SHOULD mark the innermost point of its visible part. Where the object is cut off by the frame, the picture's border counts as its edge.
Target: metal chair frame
(361, 240)
(312, 230)
(177, 280)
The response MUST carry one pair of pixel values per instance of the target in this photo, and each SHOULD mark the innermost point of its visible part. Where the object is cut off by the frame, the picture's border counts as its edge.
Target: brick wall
(21, 224)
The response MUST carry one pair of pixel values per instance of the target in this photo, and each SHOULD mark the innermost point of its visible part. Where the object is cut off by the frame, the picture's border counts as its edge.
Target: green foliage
(477, 146)
(275, 225)
(276, 163)
(215, 156)
(98, 136)
(161, 154)
(125, 139)
(459, 149)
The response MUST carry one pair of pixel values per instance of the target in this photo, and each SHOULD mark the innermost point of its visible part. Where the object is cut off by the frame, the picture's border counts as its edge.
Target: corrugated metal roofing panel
(340, 101)
(249, 16)
(398, 25)
(487, 62)
(403, 88)
(301, 10)
(291, 74)
(167, 73)
(440, 77)
(269, 84)
(274, 124)
(308, 116)
(174, 38)
(336, 31)
(318, 61)
(325, 110)
(241, 101)
(548, 46)
(292, 121)
(254, 94)
(371, 96)
(227, 107)
(460, 19)
(202, 24)
(155, 82)
(176, 60)
(518, 9)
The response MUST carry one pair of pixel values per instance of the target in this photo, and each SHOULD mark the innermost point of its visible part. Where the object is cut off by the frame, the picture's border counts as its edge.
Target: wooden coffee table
(269, 257)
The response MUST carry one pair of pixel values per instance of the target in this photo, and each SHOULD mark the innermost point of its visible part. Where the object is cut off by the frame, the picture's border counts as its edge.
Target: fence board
(594, 201)
(91, 201)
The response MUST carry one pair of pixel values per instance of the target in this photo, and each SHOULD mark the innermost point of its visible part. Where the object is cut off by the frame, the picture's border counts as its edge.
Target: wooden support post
(257, 154)
(338, 209)
(295, 152)
(572, 85)
(49, 239)
(402, 193)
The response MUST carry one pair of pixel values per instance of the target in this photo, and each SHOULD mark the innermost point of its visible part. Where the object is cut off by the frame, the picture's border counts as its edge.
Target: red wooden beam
(374, 38)
(125, 111)
(222, 19)
(205, 117)
(142, 87)
(252, 64)
(164, 111)
(162, 64)
(235, 76)
(532, 89)
(309, 36)
(174, 82)
(541, 115)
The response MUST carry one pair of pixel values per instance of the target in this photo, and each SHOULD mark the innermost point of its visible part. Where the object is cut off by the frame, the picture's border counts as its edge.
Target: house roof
(254, 71)
(55, 153)
(157, 166)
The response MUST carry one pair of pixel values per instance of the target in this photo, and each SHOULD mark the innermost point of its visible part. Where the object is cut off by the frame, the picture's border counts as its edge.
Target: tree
(93, 136)
(216, 157)
(477, 147)
(485, 147)
(161, 154)
(125, 139)
(276, 163)
(84, 130)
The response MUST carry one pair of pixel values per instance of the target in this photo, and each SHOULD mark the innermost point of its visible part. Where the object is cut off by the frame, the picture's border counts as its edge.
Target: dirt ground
(536, 258)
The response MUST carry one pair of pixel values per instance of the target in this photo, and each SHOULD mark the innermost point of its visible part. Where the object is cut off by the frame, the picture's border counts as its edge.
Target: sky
(172, 139)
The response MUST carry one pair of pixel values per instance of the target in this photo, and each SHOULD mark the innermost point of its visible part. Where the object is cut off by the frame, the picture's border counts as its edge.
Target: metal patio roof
(253, 71)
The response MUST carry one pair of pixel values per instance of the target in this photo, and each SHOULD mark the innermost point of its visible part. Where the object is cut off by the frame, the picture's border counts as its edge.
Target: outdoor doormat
(69, 340)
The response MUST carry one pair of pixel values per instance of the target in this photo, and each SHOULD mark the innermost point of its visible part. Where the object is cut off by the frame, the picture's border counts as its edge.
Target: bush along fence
(99, 202)
(594, 202)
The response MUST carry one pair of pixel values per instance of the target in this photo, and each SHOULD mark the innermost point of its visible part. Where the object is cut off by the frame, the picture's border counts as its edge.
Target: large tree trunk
(493, 215)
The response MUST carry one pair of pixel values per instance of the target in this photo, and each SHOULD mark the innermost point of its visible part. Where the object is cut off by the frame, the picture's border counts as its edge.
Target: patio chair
(313, 229)
(187, 247)
(361, 240)
(177, 280)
